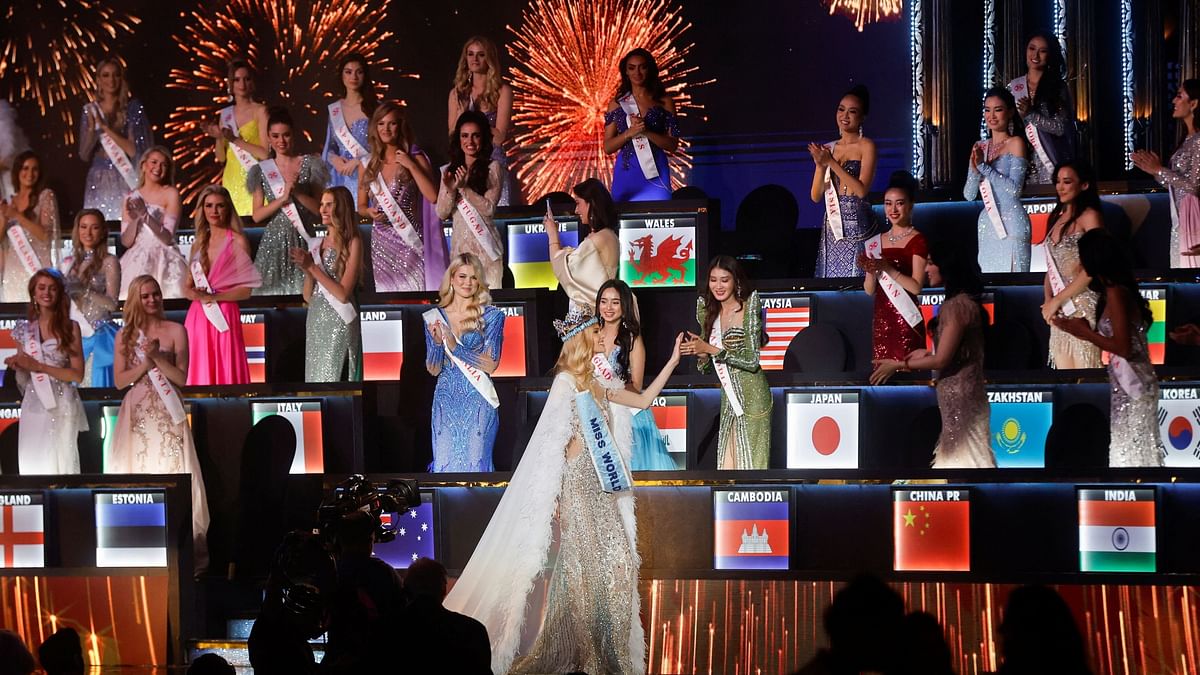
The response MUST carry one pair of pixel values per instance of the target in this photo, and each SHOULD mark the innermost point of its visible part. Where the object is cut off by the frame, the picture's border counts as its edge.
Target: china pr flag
(822, 430)
(932, 530)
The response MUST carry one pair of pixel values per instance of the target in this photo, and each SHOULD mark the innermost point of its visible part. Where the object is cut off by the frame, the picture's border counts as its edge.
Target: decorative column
(1010, 41)
(1078, 20)
(937, 42)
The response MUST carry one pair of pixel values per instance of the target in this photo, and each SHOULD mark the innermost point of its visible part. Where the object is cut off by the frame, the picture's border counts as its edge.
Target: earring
(1010, 127)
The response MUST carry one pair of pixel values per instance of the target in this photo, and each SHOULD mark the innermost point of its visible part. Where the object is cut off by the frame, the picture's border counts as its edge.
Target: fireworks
(295, 45)
(50, 47)
(568, 53)
(863, 12)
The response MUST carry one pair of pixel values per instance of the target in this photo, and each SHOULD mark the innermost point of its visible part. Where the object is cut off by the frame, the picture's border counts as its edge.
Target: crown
(577, 319)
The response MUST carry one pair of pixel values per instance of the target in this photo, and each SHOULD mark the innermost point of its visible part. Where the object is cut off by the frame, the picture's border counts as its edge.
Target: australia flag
(415, 534)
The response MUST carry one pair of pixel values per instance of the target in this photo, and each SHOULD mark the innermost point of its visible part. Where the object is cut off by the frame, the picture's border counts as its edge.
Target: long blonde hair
(404, 138)
(136, 318)
(493, 82)
(575, 359)
(344, 229)
(169, 179)
(84, 272)
(482, 297)
(203, 231)
(123, 96)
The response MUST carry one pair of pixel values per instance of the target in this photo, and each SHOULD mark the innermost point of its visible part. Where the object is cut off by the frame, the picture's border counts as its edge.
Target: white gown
(48, 440)
(149, 255)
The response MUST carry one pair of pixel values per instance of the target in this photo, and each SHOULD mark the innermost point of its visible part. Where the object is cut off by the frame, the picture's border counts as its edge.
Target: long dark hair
(370, 98)
(628, 329)
(1018, 126)
(1089, 198)
(1052, 88)
(960, 274)
(1192, 88)
(1040, 635)
(860, 92)
(1107, 263)
(278, 114)
(602, 212)
(18, 162)
(477, 175)
(741, 292)
(653, 84)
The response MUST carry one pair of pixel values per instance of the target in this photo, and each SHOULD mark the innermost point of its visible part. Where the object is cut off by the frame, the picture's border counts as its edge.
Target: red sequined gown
(891, 336)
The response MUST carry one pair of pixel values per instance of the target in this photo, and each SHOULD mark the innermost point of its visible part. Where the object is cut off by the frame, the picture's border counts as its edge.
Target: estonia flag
(131, 529)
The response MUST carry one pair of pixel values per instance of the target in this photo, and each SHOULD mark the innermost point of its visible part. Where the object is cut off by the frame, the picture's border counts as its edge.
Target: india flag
(1116, 530)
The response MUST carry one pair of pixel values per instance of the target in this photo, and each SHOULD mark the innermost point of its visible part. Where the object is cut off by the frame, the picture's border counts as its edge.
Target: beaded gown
(233, 177)
(839, 257)
(395, 265)
(462, 239)
(629, 183)
(1006, 173)
(220, 357)
(1063, 344)
(279, 275)
(1135, 440)
(962, 392)
(48, 440)
(149, 254)
(92, 297)
(1182, 177)
(1056, 131)
(331, 346)
(105, 188)
(749, 434)
(464, 423)
(15, 279)
(358, 129)
(892, 337)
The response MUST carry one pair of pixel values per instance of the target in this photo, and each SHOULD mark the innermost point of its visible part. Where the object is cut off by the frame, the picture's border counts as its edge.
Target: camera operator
(295, 607)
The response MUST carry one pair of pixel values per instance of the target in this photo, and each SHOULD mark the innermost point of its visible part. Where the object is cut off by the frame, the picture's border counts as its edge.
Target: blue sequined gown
(464, 423)
(839, 257)
(629, 184)
(1006, 173)
(105, 189)
(333, 146)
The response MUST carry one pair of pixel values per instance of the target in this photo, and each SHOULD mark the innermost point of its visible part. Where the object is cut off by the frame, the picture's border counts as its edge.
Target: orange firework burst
(568, 53)
(49, 49)
(863, 12)
(294, 45)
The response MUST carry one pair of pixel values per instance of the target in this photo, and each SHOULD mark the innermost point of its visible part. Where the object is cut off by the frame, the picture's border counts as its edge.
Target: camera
(357, 494)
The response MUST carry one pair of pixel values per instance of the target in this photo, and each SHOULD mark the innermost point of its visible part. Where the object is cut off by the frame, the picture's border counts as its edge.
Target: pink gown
(216, 357)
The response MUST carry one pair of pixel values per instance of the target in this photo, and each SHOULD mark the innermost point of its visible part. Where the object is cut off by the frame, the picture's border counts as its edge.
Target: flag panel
(932, 530)
(751, 529)
(822, 430)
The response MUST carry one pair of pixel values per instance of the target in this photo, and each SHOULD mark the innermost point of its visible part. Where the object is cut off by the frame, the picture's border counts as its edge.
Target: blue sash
(610, 467)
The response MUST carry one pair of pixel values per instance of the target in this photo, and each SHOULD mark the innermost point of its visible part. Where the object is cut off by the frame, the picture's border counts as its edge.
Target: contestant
(221, 275)
(397, 190)
(479, 86)
(152, 434)
(1124, 318)
(623, 365)
(470, 189)
(285, 191)
(333, 330)
(582, 271)
(31, 225)
(1045, 105)
(997, 175)
(730, 315)
(12, 143)
(240, 140)
(346, 136)
(113, 133)
(468, 328)
(957, 358)
(1182, 178)
(1065, 290)
(48, 364)
(895, 266)
(93, 278)
(591, 623)
(149, 216)
(844, 171)
(641, 125)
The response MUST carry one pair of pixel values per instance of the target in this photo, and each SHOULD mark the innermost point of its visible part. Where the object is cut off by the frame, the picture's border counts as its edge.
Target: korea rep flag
(822, 429)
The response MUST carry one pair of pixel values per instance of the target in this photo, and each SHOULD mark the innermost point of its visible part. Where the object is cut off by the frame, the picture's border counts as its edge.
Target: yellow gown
(234, 177)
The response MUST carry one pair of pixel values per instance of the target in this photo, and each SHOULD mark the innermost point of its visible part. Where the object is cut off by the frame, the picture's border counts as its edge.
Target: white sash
(395, 215)
(892, 289)
(85, 326)
(345, 310)
(115, 154)
(479, 228)
(1057, 284)
(1128, 380)
(833, 207)
(476, 376)
(603, 370)
(342, 130)
(211, 309)
(41, 381)
(641, 144)
(244, 158)
(1035, 139)
(714, 338)
(989, 205)
(275, 180)
(168, 394)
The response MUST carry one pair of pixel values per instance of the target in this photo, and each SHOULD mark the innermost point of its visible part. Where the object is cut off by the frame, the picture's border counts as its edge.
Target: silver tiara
(577, 319)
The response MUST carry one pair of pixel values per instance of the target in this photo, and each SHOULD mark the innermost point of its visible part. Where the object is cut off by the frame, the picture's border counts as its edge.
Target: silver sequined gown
(1183, 178)
(1133, 422)
(15, 286)
(331, 346)
(962, 392)
(594, 584)
(105, 188)
(48, 440)
(1006, 173)
(280, 276)
(396, 265)
(91, 297)
(1062, 344)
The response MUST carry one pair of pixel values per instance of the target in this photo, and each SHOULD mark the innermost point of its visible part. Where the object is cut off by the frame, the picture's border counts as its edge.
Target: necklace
(893, 238)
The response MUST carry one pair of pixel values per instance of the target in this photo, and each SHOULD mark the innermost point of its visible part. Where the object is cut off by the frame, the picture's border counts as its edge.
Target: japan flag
(821, 434)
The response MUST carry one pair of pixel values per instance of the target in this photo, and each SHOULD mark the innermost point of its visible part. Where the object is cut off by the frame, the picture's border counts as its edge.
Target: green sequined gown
(331, 346)
(279, 275)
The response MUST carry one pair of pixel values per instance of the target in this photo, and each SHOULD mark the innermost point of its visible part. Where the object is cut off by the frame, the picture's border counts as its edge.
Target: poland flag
(822, 430)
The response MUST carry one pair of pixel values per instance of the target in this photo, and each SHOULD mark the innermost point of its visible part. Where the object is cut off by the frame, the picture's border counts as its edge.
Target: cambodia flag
(254, 332)
(131, 529)
(751, 529)
(305, 418)
(932, 530)
(383, 344)
(512, 354)
(22, 530)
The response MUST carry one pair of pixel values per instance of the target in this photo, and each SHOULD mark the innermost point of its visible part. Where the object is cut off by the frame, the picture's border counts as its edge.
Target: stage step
(235, 651)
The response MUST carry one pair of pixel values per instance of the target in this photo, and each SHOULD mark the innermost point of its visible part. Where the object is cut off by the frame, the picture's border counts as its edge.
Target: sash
(602, 370)
(395, 215)
(892, 290)
(345, 310)
(85, 326)
(168, 394)
(275, 180)
(833, 207)
(989, 205)
(342, 130)
(41, 381)
(1057, 284)
(714, 338)
(244, 158)
(211, 309)
(1035, 139)
(641, 144)
(478, 228)
(610, 466)
(476, 376)
(1128, 380)
(116, 155)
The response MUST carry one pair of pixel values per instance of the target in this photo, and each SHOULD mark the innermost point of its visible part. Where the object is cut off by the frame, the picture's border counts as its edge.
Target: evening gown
(962, 392)
(839, 257)
(751, 432)
(1135, 440)
(581, 271)
(395, 265)
(1182, 178)
(105, 188)
(48, 440)
(332, 348)
(649, 449)
(1063, 344)
(464, 423)
(892, 337)
(279, 275)
(216, 357)
(15, 279)
(358, 129)
(149, 255)
(1006, 173)
(462, 239)
(629, 183)
(1056, 131)
(91, 297)
(233, 177)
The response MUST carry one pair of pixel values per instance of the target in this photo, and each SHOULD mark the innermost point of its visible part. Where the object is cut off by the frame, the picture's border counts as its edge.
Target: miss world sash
(345, 310)
(833, 207)
(41, 381)
(479, 228)
(892, 290)
(476, 376)
(275, 180)
(714, 339)
(211, 310)
(1057, 283)
(606, 458)
(166, 392)
(115, 154)
(1128, 380)
(641, 144)
(243, 157)
(337, 120)
(1039, 149)
(391, 209)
